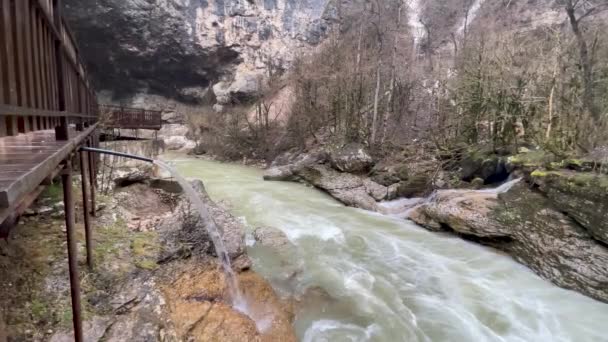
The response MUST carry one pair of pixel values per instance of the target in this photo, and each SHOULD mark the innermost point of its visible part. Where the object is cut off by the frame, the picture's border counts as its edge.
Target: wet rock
(286, 167)
(417, 185)
(377, 191)
(194, 232)
(583, 196)
(126, 177)
(346, 188)
(463, 211)
(167, 185)
(524, 224)
(197, 303)
(272, 237)
(353, 158)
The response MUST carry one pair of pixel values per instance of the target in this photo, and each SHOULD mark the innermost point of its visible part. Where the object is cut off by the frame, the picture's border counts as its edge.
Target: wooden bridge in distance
(48, 110)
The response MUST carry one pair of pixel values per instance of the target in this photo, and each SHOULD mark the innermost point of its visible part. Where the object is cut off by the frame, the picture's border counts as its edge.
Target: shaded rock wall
(181, 48)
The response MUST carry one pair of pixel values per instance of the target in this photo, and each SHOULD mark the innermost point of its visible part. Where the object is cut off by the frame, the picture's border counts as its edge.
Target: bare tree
(578, 10)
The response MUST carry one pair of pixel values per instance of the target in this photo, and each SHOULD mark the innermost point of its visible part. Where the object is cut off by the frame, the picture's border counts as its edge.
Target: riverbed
(379, 278)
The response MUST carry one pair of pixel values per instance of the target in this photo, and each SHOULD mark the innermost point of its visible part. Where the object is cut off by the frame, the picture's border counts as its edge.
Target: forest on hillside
(388, 77)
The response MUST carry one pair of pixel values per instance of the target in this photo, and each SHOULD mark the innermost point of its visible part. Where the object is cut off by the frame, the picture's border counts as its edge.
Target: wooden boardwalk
(28, 160)
(48, 110)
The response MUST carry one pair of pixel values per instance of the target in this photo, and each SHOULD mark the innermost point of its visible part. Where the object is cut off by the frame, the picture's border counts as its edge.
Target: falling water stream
(238, 300)
(382, 278)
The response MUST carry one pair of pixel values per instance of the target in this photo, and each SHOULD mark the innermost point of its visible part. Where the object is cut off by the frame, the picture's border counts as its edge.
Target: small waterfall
(403, 207)
(238, 301)
(502, 188)
(400, 208)
(415, 23)
(473, 11)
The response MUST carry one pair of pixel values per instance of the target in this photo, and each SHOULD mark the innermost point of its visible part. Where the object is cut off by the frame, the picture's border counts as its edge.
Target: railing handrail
(45, 83)
(128, 117)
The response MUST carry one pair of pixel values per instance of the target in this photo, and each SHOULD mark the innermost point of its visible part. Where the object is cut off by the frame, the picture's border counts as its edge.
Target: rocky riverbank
(156, 275)
(553, 220)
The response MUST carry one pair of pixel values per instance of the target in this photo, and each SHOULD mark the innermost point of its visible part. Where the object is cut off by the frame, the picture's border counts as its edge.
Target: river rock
(353, 158)
(272, 237)
(345, 187)
(465, 212)
(233, 231)
(524, 224)
(197, 304)
(582, 195)
(286, 167)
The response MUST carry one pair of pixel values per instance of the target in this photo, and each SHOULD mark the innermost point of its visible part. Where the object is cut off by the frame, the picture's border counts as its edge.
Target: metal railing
(43, 82)
(130, 118)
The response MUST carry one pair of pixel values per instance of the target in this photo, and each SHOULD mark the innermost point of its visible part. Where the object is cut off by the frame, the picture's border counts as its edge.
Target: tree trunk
(376, 100)
(585, 60)
(553, 86)
(392, 84)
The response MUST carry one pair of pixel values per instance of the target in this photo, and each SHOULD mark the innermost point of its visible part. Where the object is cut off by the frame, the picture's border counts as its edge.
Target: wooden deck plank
(14, 184)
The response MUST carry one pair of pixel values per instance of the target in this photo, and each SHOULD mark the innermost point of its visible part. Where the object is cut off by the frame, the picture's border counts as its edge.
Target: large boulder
(582, 195)
(286, 263)
(287, 170)
(273, 238)
(524, 224)
(463, 211)
(352, 158)
(194, 230)
(352, 190)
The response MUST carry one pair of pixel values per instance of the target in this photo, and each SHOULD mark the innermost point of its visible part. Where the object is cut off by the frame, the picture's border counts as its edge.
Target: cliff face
(181, 48)
(218, 51)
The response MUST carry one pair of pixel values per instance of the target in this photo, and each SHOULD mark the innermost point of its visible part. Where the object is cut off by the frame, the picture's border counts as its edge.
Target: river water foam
(386, 279)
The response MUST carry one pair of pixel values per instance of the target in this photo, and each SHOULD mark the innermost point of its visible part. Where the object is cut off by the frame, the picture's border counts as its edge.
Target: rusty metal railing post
(84, 160)
(68, 201)
(93, 174)
(62, 130)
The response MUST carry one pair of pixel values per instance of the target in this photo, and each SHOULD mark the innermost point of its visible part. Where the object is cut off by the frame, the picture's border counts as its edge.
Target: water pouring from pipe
(238, 302)
(236, 297)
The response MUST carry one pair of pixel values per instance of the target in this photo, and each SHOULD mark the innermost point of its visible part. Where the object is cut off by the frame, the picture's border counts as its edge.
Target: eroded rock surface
(194, 232)
(197, 306)
(141, 294)
(352, 190)
(583, 195)
(352, 158)
(524, 224)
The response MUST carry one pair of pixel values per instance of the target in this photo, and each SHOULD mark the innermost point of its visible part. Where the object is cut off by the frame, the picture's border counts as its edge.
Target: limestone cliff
(182, 49)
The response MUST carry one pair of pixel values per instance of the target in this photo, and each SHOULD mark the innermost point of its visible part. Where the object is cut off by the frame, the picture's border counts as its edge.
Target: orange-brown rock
(200, 310)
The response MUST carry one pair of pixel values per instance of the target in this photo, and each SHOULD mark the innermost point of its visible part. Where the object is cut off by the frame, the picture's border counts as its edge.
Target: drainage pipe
(118, 154)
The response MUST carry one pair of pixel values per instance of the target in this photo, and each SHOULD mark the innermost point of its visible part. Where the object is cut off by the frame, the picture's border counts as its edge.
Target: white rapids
(383, 278)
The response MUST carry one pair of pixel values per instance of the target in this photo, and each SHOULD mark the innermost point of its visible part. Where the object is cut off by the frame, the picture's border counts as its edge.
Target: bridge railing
(130, 118)
(43, 83)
